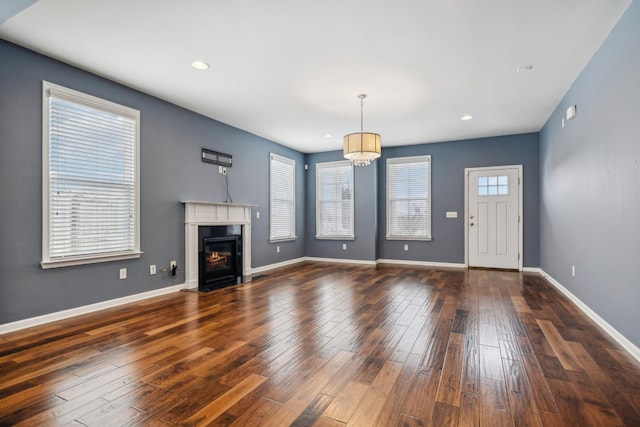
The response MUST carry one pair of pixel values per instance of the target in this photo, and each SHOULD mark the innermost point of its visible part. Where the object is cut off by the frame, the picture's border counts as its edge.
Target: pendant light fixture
(362, 147)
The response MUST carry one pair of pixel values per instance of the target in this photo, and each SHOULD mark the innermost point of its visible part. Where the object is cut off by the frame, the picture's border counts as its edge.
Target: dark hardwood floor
(328, 345)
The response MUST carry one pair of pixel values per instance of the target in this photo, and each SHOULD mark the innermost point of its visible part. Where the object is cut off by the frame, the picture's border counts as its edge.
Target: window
(90, 179)
(282, 195)
(409, 198)
(493, 185)
(334, 200)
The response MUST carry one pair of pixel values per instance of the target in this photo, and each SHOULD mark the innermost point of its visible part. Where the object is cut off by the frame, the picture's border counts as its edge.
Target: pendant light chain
(362, 97)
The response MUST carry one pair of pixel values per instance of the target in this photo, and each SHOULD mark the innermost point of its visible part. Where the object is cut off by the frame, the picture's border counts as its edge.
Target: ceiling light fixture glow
(199, 65)
(466, 117)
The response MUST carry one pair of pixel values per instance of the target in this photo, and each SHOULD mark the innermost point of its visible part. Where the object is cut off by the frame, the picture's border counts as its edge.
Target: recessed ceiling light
(524, 68)
(466, 117)
(199, 65)
(328, 136)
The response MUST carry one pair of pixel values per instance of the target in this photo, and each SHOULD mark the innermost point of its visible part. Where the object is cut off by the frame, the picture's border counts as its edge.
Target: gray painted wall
(363, 248)
(590, 174)
(448, 159)
(171, 170)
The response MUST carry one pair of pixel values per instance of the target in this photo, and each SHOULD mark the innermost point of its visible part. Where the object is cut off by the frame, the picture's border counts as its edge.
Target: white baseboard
(72, 312)
(531, 270)
(421, 263)
(617, 336)
(341, 261)
(358, 261)
(277, 265)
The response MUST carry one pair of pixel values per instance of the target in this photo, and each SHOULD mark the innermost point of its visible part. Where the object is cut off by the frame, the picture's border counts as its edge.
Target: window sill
(335, 238)
(409, 238)
(68, 262)
(283, 239)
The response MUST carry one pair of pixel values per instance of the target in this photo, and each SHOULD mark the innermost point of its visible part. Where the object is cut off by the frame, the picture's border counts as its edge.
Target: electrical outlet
(278, 249)
(406, 247)
(573, 270)
(173, 267)
(152, 269)
(257, 215)
(123, 273)
(344, 246)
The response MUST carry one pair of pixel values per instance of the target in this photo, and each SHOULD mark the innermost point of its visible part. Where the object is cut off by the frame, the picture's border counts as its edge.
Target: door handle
(471, 224)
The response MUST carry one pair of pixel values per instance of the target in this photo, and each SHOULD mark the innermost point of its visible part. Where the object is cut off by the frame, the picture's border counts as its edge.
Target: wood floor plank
(609, 387)
(422, 395)
(449, 387)
(551, 419)
(491, 363)
(216, 408)
(445, 415)
(407, 421)
(537, 381)
(571, 407)
(392, 408)
(471, 363)
(523, 406)
(559, 346)
(308, 391)
(258, 414)
(469, 410)
(371, 404)
(495, 408)
(328, 422)
(312, 412)
(345, 402)
(328, 345)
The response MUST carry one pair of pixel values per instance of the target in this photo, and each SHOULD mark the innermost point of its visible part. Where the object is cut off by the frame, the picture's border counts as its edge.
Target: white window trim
(352, 204)
(82, 98)
(404, 160)
(292, 163)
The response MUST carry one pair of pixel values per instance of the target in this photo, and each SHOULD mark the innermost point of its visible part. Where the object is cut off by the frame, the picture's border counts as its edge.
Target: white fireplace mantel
(198, 213)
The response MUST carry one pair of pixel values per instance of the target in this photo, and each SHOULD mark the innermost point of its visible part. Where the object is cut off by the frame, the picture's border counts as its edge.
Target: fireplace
(218, 263)
(219, 257)
(214, 219)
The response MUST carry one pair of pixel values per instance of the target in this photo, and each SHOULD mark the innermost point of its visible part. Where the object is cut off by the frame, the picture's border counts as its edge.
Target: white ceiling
(291, 70)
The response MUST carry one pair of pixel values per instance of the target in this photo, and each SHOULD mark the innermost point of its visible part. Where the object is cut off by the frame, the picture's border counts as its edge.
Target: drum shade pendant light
(362, 147)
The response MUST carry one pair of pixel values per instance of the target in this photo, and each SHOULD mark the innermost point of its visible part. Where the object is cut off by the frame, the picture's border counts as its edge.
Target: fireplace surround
(197, 214)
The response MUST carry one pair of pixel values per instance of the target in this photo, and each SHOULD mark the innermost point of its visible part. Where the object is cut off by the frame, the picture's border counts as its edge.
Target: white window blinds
(409, 198)
(90, 177)
(282, 218)
(334, 200)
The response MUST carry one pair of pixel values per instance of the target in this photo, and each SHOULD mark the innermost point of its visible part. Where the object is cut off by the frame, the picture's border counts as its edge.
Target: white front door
(493, 217)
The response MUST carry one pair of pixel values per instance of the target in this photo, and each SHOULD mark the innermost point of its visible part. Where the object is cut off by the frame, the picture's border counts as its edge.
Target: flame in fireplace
(216, 258)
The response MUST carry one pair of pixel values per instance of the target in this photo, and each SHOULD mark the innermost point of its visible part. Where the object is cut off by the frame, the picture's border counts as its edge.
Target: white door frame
(466, 210)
